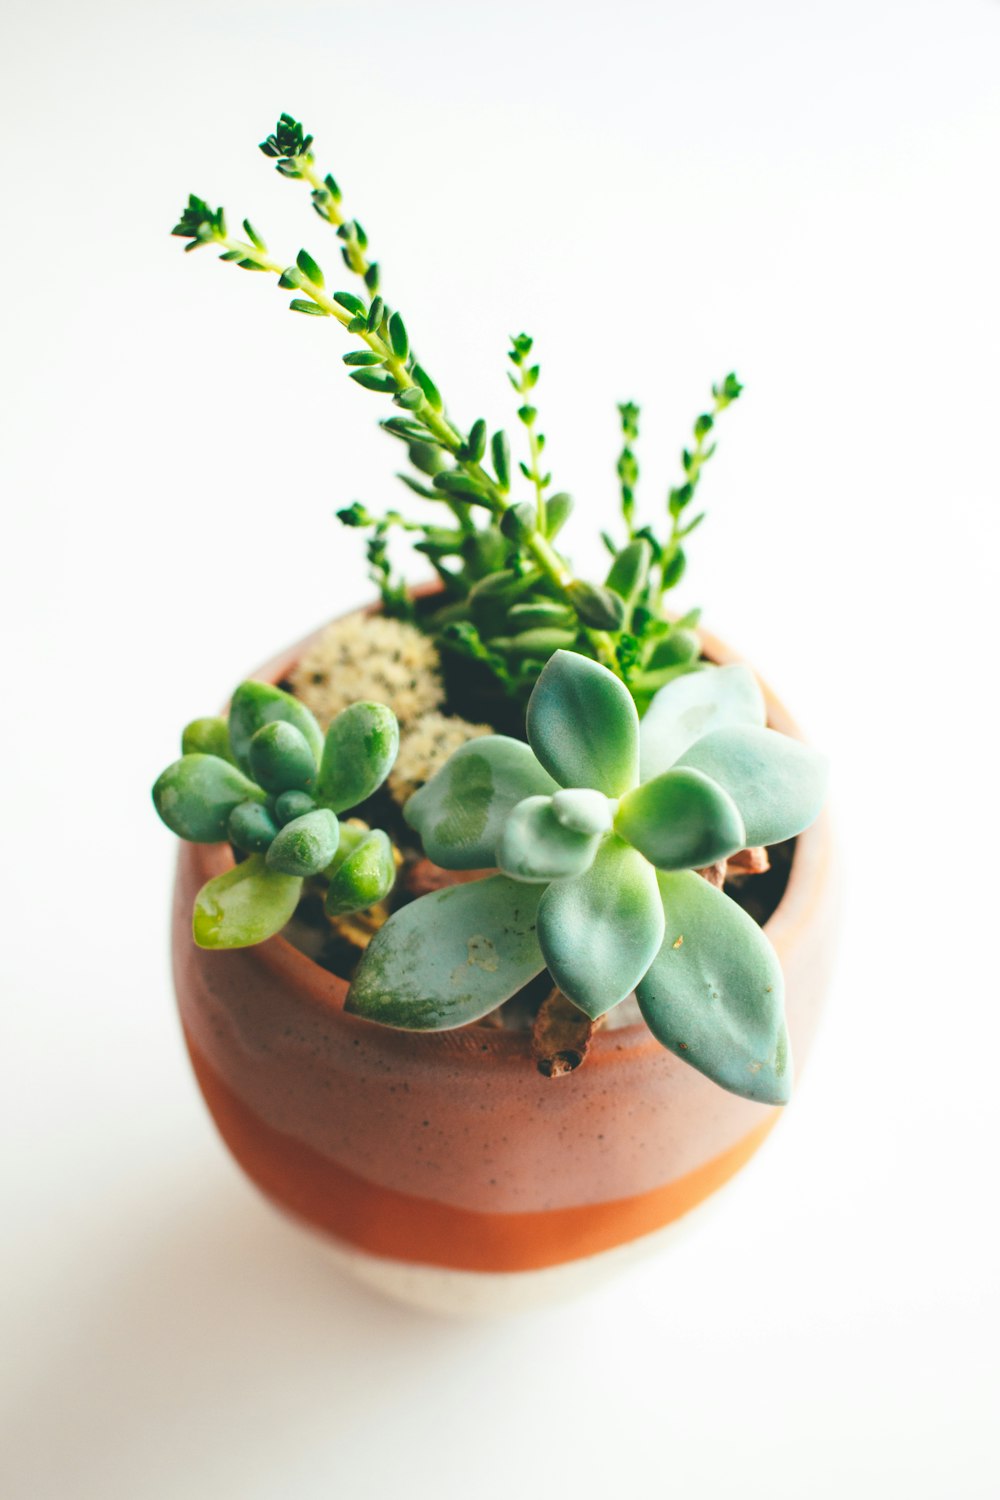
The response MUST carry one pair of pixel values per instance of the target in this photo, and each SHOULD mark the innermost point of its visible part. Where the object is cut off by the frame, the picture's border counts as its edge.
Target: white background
(659, 192)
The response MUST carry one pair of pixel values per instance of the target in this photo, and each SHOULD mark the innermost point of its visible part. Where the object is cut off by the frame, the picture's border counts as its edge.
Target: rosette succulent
(270, 782)
(596, 827)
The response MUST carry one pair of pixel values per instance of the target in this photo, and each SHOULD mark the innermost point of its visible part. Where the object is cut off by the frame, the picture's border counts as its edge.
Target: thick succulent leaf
(630, 569)
(681, 821)
(535, 845)
(257, 703)
(690, 706)
(246, 905)
(461, 811)
(293, 804)
(252, 828)
(306, 845)
(583, 725)
(360, 750)
(366, 875)
(715, 995)
(207, 737)
(195, 796)
(600, 931)
(777, 783)
(583, 810)
(450, 957)
(281, 759)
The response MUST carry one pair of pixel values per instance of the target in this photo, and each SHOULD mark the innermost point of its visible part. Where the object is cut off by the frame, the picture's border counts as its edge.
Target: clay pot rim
(329, 991)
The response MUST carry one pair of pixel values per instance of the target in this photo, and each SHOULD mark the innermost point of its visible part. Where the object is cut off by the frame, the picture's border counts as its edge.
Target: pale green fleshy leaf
(366, 874)
(461, 811)
(715, 994)
(196, 795)
(535, 845)
(600, 931)
(690, 706)
(306, 845)
(244, 906)
(681, 820)
(257, 703)
(583, 725)
(777, 783)
(359, 752)
(450, 957)
(583, 810)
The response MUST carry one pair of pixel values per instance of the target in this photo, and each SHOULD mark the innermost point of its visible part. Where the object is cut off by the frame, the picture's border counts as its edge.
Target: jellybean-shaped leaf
(691, 705)
(777, 783)
(365, 876)
(583, 810)
(281, 759)
(583, 725)
(306, 845)
(681, 821)
(460, 812)
(630, 569)
(674, 649)
(257, 703)
(535, 845)
(352, 833)
(252, 828)
(244, 906)
(207, 737)
(600, 931)
(289, 805)
(450, 957)
(195, 796)
(361, 747)
(714, 993)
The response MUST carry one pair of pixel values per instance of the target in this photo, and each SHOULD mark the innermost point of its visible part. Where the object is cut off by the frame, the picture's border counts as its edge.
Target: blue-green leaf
(196, 794)
(246, 905)
(535, 845)
(281, 759)
(293, 804)
(306, 845)
(366, 875)
(600, 931)
(681, 820)
(461, 811)
(583, 725)
(689, 706)
(361, 747)
(257, 703)
(252, 828)
(450, 957)
(714, 994)
(777, 783)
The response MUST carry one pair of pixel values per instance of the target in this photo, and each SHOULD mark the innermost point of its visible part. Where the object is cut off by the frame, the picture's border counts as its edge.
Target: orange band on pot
(405, 1227)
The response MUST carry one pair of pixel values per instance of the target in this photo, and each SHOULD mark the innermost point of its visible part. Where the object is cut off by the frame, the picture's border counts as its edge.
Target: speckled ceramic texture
(449, 1150)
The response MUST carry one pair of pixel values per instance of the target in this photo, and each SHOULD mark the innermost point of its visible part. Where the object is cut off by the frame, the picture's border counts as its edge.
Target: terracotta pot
(443, 1166)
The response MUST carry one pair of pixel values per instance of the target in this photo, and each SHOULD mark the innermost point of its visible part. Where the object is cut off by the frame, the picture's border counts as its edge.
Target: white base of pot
(478, 1294)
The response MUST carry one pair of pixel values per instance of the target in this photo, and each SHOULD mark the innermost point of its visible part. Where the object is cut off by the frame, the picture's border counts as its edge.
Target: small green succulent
(271, 783)
(509, 596)
(597, 827)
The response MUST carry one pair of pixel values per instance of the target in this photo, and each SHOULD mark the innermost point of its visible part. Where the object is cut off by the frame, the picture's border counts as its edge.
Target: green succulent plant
(643, 765)
(597, 826)
(510, 597)
(271, 783)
